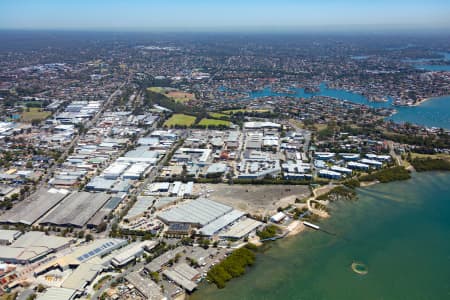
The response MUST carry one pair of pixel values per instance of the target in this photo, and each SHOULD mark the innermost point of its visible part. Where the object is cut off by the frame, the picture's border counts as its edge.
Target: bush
(337, 193)
(388, 175)
(231, 267)
(268, 232)
(352, 183)
(430, 164)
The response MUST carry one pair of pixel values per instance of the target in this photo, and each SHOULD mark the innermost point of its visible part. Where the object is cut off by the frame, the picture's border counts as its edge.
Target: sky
(233, 15)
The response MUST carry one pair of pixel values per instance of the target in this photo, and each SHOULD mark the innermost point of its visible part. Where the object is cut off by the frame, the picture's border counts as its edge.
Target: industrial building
(159, 262)
(148, 289)
(55, 293)
(176, 189)
(278, 217)
(82, 276)
(191, 156)
(324, 155)
(34, 207)
(104, 212)
(183, 275)
(115, 170)
(95, 249)
(261, 125)
(241, 229)
(341, 170)
(131, 252)
(140, 207)
(76, 209)
(142, 154)
(350, 156)
(7, 237)
(136, 171)
(258, 169)
(358, 166)
(221, 222)
(371, 162)
(100, 184)
(216, 169)
(329, 174)
(378, 157)
(178, 230)
(198, 212)
(32, 246)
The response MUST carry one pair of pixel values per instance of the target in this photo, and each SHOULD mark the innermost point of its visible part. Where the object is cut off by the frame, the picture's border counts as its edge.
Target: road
(397, 158)
(150, 178)
(88, 125)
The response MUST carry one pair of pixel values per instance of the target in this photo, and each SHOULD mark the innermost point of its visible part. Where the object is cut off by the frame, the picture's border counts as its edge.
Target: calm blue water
(432, 113)
(422, 63)
(359, 57)
(324, 91)
(399, 230)
(433, 67)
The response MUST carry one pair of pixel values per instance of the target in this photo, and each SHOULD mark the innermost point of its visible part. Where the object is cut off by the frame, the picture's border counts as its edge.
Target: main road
(88, 125)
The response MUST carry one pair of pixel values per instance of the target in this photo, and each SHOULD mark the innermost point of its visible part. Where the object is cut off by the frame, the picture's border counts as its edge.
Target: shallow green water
(400, 231)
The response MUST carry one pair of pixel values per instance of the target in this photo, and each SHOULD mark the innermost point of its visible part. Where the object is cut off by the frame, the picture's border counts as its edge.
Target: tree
(40, 288)
(89, 237)
(154, 276)
(101, 227)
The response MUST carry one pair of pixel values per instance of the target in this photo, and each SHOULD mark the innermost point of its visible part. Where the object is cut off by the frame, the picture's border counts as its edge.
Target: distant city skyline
(231, 15)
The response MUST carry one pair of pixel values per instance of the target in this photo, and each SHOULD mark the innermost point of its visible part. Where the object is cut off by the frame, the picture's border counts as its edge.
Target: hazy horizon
(229, 16)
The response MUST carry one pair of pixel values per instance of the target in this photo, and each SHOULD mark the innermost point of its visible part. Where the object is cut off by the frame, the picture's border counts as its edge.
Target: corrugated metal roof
(221, 222)
(201, 211)
(57, 294)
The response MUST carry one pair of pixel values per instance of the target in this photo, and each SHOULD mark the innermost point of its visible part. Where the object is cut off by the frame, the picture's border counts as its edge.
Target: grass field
(34, 113)
(217, 115)
(320, 127)
(234, 111)
(180, 120)
(156, 89)
(178, 96)
(296, 123)
(213, 122)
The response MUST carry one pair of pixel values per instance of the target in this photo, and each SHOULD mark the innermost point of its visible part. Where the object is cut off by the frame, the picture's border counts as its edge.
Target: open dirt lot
(255, 199)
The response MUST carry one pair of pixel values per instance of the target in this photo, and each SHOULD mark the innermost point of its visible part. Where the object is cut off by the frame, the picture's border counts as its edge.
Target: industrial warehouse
(31, 247)
(34, 207)
(198, 212)
(76, 209)
(213, 219)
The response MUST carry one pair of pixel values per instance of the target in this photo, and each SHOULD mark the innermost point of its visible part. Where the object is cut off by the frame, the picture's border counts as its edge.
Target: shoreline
(358, 266)
(418, 103)
(296, 227)
(423, 101)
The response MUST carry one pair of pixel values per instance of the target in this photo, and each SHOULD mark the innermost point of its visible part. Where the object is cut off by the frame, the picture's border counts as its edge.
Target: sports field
(180, 120)
(34, 113)
(175, 95)
(217, 115)
(213, 122)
